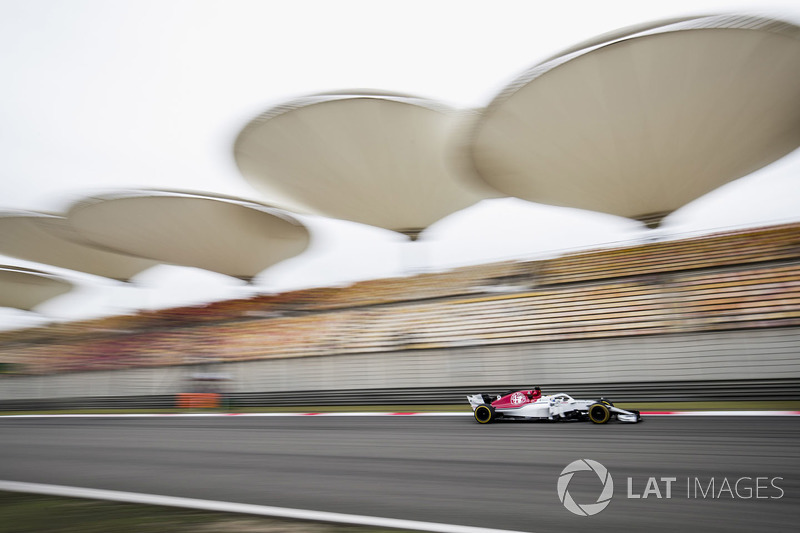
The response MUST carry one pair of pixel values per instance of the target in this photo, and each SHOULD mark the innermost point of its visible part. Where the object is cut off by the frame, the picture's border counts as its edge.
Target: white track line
(194, 415)
(242, 508)
(372, 413)
(724, 413)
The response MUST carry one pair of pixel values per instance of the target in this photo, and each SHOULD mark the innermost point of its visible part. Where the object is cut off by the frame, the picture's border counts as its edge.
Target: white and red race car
(530, 404)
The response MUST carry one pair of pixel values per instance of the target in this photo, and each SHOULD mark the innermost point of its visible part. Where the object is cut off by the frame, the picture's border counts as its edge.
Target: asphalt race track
(435, 469)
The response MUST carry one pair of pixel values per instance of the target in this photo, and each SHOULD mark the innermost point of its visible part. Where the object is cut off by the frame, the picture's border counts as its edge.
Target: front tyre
(484, 414)
(599, 413)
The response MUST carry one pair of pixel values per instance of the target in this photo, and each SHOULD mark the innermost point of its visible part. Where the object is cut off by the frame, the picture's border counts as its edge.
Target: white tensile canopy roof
(647, 120)
(369, 157)
(24, 288)
(48, 239)
(220, 234)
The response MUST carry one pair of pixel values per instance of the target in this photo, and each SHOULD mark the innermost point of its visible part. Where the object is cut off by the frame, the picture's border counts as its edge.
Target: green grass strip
(33, 513)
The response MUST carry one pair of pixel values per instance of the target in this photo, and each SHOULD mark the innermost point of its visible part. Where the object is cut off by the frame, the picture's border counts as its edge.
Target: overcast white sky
(130, 93)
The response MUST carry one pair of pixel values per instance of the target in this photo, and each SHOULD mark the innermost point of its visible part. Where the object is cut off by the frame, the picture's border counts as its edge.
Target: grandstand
(726, 282)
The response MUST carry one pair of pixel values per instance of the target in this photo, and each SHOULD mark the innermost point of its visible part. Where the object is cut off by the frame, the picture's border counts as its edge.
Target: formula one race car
(532, 405)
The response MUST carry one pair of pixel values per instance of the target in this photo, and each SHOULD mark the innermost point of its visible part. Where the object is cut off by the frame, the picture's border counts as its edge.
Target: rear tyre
(599, 413)
(484, 414)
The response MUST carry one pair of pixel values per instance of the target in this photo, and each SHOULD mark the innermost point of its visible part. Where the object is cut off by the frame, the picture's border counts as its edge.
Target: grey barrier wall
(717, 390)
(768, 357)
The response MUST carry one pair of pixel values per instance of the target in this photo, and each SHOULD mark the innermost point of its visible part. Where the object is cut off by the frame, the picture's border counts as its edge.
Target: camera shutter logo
(603, 500)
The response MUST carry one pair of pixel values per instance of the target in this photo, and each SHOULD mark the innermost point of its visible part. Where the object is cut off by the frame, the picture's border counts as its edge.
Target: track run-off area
(688, 473)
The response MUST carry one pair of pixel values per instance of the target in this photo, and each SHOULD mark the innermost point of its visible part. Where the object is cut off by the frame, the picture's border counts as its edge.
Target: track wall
(762, 356)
